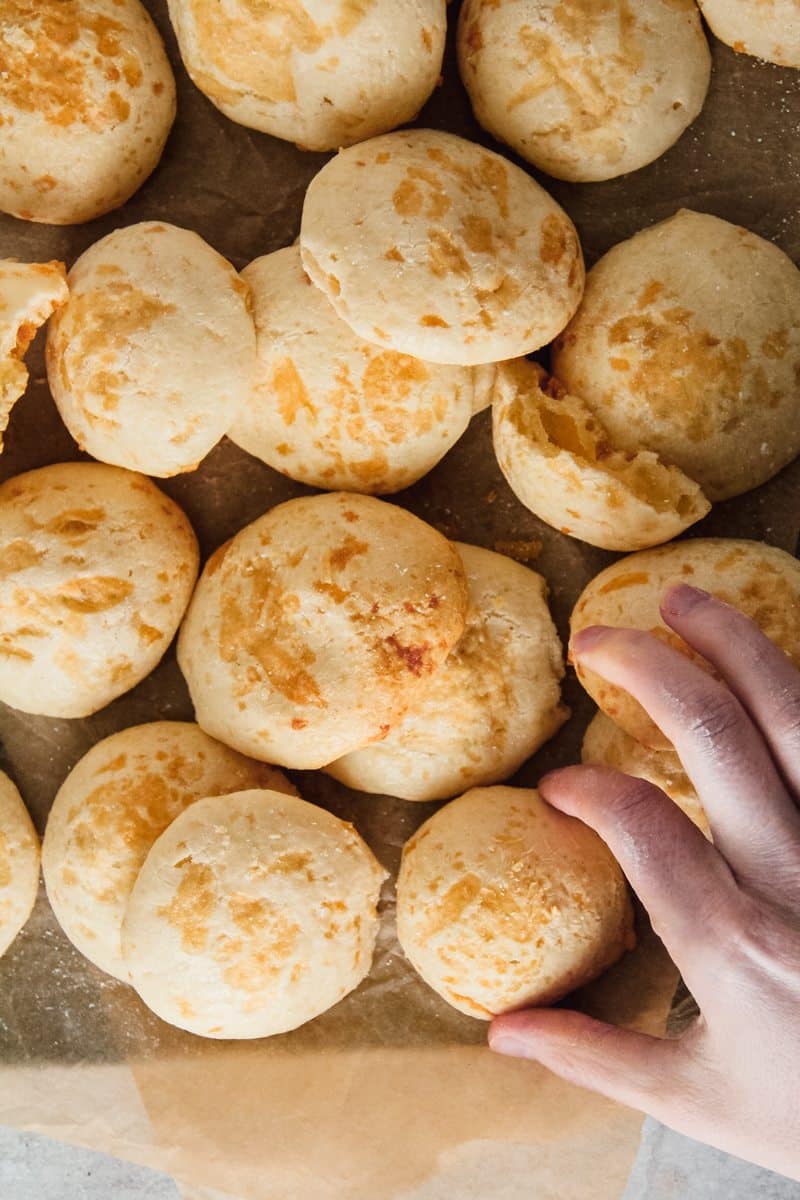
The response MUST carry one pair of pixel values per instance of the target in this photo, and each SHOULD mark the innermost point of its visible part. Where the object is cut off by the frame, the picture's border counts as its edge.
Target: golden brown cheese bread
(110, 809)
(768, 29)
(562, 463)
(87, 99)
(313, 630)
(502, 901)
(491, 705)
(252, 914)
(334, 411)
(687, 343)
(761, 581)
(430, 245)
(584, 89)
(154, 353)
(321, 73)
(96, 570)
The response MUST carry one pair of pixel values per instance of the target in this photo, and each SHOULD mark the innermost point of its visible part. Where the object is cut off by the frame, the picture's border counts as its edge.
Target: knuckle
(713, 716)
(787, 713)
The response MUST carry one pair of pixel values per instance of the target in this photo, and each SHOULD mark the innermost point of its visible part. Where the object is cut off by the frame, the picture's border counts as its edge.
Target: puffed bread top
(494, 701)
(154, 353)
(584, 89)
(96, 569)
(687, 343)
(761, 581)
(316, 627)
(110, 809)
(430, 245)
(87, 99)
(252, 914)
(321, 73)
(332, 410)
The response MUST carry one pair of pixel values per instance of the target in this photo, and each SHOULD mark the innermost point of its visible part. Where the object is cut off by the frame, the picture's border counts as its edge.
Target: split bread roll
(491, 705)
(87, 99)
(313, 630)
(768, 29)
(29, 293)
(584, 89)
(687, 344)
(109, 811)
(759, 580)
(321, 73)
(19, 863)
(562, 464)
(96, 570)
(430, 245)
(609, 746)
(502, 901)
(154, 353)
(332, 410)
(253, 913)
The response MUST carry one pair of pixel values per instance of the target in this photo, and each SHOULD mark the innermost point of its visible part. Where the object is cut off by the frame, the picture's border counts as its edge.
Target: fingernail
(505, 1043)
(587, 639)
(682, 598)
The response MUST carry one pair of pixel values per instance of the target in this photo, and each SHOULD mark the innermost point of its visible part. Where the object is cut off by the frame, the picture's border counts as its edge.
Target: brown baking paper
(392, 1094)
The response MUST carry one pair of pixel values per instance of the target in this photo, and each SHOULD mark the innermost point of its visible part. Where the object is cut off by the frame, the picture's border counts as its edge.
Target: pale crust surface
(315, 628)
(430, 245)
(87, 99)
(153, 355)
(502, 902)
(562, 464)
(29, 293)
(252, 914)
(492, 704)
(760, 580)
(19, 863)
(96, 570)
(609, 746)
(687, 343)
(110, 809)
(321, 73)
(768, 29)
(584, 89)
(334, 411)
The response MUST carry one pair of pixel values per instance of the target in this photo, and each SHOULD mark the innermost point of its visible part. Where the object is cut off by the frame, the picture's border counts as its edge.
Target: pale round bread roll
(315, 628)
(759, 580)
(609, 746)
(155, 351)
(502, 901)
(584, 89)
(687, 343)
(110, 809)
(29, 293)
(492, 704)
(96, 570)
(430, 245)
(253, 913)
(562, 464)
(321, 73)
(87, 99)
(19, 863)
(332, 410)
(768, 29)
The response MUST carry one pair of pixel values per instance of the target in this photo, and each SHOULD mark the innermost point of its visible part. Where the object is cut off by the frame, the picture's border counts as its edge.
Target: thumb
(636, 1069)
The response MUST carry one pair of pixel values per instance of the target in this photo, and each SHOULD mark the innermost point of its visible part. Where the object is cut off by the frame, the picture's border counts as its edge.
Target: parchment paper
(391, 1094)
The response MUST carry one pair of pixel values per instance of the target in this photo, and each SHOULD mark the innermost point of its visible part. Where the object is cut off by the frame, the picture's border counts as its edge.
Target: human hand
(728, 913)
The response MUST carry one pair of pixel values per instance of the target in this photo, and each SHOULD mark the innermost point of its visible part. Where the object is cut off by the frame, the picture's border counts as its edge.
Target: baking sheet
(392, 1093)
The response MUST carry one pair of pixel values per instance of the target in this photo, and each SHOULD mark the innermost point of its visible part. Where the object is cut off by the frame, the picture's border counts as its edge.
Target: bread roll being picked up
(502, 902)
